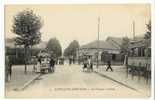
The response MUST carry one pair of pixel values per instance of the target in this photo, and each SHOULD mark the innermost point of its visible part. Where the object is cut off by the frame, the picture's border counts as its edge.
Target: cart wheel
(42, 71)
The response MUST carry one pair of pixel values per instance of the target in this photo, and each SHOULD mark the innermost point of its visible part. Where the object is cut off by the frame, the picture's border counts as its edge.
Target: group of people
(50, 61)
(45, 63)
(71, 60)
(88, 64)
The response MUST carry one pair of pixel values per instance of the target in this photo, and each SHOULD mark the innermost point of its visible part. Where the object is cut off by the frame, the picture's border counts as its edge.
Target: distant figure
(38, 66)
(70, 60)
(125, 60)
(90, 62)
(8, 69)
(85, 63)
(109, 65)
(39, 59)
(34, 62)
(62, 61)
(52, 65)
(73, 59)
(56, 61)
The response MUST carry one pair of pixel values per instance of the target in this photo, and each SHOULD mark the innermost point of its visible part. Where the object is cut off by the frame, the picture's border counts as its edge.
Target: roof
(116, 41)
(110, 43)
(139, 37)
(140, 43)
(102, 44)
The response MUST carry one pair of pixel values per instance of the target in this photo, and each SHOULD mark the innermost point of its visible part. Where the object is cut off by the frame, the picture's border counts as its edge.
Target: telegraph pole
(133, 29)
(98, 42)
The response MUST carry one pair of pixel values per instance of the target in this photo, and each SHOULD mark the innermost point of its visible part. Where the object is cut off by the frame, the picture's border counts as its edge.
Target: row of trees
(147, 37)
(71, 49)
(55, 46)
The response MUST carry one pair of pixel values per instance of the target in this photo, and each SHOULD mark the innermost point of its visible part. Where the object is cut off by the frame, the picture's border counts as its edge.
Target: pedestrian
(63, 59)
(109, 66)
(39, 59)
(52, 64)
(34, 61)
(73, 60)
(91, 64)
(85, 63)
(8, 64)
(70, 60)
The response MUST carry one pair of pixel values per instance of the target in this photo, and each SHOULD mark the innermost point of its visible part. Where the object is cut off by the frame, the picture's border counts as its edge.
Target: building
(98, 49)
(16, 52)
(139, 52)
(10, 43)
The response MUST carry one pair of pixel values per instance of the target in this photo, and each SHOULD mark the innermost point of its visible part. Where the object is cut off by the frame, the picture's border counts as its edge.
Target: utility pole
(98, 42)
(133, 29)
(16, 50)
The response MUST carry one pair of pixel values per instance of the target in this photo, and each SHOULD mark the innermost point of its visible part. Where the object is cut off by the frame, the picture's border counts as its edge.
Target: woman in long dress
(38, 64)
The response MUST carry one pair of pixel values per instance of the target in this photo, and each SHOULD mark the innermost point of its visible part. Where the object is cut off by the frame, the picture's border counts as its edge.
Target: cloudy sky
(80, 22)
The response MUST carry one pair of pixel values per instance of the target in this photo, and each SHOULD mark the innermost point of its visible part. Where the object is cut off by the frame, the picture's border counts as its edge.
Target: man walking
(109, 66)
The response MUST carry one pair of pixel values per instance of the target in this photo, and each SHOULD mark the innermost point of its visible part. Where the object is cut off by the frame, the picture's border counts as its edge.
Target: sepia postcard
(78, 50)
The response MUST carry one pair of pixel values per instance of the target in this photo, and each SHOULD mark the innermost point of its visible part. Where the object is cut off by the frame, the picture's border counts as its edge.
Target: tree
(54, 46)
(125, 45)
(147, 39)
(27, 25)
(148, 32)
(71, 49)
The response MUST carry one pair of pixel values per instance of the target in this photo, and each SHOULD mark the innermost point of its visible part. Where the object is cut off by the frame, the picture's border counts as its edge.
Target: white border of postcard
(5, 2)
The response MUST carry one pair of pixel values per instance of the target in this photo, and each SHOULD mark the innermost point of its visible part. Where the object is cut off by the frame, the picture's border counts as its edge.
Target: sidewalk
(119, 74)
(19, 78)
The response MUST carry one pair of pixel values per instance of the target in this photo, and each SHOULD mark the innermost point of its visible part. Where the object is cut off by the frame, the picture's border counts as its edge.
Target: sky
(80, 22)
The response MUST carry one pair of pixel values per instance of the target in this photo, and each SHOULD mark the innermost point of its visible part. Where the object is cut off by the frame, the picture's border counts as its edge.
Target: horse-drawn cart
(43, 65)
